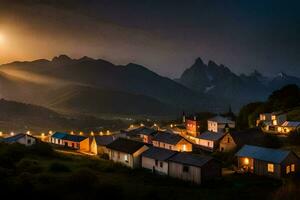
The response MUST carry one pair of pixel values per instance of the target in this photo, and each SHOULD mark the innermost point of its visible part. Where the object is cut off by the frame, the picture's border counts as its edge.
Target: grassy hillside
(40, 171)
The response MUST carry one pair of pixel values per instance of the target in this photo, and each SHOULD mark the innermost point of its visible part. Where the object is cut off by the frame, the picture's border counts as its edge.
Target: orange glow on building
(192, 127)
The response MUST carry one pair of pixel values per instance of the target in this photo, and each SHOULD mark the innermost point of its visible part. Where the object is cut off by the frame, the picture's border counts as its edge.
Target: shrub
(42, 149)
(82, 180)
(59, 167)
(10, 154)
(28, 166)
(294, 138)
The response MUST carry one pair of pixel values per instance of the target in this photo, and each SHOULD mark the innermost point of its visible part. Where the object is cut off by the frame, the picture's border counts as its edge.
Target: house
(57, 138)
(194, 167)
(171, 141)
(289, 126)
(209, 140)
(264, 117)
(278, 118)
(193, 127)
(236, 139)
(127, 152)
(99, 144)
(78, 142)
(275, 163)
(21, 138)
(270, 122)
(156, 160)
(147, 134)
(219, 123)
(73, 141)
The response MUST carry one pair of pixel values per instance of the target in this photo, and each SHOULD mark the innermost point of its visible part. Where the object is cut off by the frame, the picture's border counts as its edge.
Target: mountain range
(96, 86)
(220, 82)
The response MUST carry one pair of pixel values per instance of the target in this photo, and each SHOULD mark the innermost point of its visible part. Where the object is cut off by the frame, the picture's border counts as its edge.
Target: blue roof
(264, 154)
(59, 135)
(212, 136)
(15, 138)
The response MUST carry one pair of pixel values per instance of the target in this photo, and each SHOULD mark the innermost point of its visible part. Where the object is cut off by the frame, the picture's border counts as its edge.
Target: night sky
(166, 36)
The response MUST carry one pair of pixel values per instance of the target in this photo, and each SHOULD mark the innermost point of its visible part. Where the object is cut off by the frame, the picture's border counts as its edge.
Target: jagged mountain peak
(61, 58)
(199, 61)
(86, 58)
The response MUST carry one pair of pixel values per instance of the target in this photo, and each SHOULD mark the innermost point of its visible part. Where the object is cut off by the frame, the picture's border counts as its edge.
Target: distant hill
(15, 116)
(131, 84)
(96, 86)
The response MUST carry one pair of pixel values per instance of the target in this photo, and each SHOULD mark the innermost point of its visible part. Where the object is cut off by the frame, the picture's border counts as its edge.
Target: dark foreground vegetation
(39, 172)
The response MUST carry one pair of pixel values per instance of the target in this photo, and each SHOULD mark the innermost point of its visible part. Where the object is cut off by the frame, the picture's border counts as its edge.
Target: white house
(156, 160)
(21, 138)
(278, 118)
(218, 124)
(127, 152)
(209, 140)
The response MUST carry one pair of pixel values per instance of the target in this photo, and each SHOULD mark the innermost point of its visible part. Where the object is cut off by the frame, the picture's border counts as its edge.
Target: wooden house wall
(193, 175)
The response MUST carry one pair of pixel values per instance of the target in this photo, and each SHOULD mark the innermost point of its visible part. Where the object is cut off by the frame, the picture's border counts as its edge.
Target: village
(184, 150)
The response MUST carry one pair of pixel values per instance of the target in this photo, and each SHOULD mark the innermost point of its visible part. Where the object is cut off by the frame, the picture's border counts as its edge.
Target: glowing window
(126, 158)
(184, 147)
(246, 161)
(292, 167)
(270, 167)
(288, 169)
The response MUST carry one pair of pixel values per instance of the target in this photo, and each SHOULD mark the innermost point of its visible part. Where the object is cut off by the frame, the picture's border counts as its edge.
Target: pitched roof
(15, 138)
(290, 124)
(158, 153)
(191, 159)
(169, 138)
(125, 145)
(74, 138)
(212, 136)
(148, 131)
(221, 120)
(104, 140)
(59, 135)
(262, 153)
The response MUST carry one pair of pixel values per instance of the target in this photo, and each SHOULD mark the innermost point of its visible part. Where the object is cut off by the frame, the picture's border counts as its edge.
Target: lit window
(288, 169)
(292, 167)
(126, 158)
(246, 161)
(184, 147)
(270, 167)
